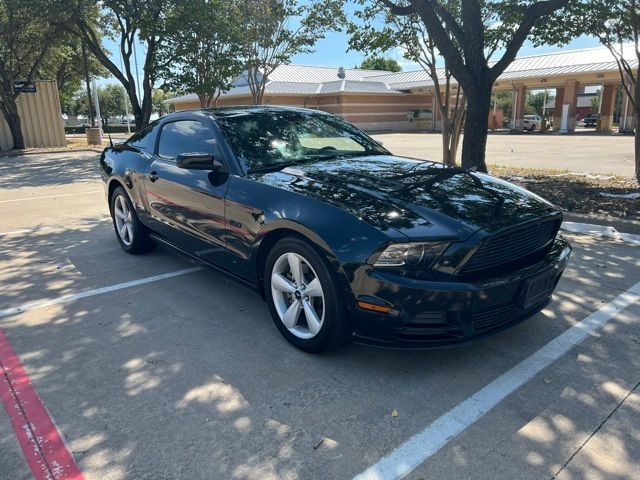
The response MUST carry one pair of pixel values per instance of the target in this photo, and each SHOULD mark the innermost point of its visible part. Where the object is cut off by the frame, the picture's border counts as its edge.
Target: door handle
(152, 176)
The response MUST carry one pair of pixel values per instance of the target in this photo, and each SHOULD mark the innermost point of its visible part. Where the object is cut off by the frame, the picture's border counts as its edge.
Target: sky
(332, 51)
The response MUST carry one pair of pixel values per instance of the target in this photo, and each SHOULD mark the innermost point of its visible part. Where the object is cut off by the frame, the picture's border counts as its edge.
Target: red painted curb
(41, 443)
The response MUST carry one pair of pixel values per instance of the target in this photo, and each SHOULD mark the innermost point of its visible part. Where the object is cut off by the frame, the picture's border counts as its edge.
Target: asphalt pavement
(152, 368)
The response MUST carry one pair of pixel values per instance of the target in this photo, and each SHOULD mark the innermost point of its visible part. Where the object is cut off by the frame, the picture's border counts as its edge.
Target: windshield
(272, 139)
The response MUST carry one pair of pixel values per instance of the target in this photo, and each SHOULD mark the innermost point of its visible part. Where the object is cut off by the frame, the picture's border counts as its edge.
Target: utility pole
(87, 82)
(97, 102)
(126, 99)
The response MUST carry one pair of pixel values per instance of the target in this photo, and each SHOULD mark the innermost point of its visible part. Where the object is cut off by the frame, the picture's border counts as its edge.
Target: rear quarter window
(145, 139)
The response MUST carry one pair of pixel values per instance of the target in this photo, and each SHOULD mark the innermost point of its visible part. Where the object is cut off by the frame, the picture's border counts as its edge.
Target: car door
(188, 205)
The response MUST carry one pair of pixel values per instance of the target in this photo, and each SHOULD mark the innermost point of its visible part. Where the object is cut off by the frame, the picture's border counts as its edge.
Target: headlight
(422, 255)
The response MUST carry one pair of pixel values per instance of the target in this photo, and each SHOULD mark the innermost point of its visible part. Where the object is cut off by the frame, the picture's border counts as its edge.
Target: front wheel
(533, 128)
(131, 234)
(303, 297)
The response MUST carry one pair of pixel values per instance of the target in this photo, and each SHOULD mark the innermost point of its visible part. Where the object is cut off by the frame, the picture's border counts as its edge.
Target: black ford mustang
(342, 239)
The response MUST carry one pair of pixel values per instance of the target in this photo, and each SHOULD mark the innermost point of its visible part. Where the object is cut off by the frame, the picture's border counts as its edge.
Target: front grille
(496, 316)
(515, 245)
(501, 315)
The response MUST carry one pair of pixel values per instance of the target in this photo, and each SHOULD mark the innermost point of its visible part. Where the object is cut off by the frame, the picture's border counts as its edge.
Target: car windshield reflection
(268, 140)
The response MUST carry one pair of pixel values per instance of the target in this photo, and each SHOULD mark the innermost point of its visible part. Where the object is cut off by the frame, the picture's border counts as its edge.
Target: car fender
(122, 166)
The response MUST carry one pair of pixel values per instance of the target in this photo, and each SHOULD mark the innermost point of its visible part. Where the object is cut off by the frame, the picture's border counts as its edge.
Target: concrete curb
(620, 224)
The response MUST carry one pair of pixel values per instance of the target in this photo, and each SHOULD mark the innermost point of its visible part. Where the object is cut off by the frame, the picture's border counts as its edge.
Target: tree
(380, 63)
(111, 98)
(534, 103)
(595, 101)
(25, 39)
(380, 30)
(468, 41)
(76, 105)
(127, 22)
(504, 102)
(64, 64)
(200, 52)
(159, 101)
(276, 30)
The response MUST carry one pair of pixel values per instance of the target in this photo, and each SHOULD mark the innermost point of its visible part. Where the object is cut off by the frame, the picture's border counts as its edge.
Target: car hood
(421, 199)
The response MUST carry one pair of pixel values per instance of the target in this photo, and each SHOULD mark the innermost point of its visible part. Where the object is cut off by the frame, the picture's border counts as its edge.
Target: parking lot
(154, 368)
(583, 152)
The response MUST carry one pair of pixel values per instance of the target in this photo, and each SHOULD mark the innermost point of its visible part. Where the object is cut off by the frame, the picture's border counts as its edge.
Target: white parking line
(49, 196)
(423, 445)
(90, 293)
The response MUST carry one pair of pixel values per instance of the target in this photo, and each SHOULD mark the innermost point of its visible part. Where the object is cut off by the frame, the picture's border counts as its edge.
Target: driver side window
(186, 136)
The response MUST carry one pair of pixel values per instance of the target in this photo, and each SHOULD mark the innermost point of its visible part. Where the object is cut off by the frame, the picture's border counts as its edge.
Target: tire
(532, 128)
(131, 234)
(285, 293)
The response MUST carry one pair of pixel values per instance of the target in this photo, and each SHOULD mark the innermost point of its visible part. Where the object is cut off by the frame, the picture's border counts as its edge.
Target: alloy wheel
(124, 219)
(297, 295)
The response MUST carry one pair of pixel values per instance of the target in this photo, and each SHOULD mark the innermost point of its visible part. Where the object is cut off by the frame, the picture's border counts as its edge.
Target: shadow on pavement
(49, 169)
(189, 378)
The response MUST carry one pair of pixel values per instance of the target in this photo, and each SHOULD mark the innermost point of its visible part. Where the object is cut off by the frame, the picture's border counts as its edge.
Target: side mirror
(198, 161)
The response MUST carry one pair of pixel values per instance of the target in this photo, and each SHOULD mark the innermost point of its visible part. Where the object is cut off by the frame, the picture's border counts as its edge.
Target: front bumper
(431, 314)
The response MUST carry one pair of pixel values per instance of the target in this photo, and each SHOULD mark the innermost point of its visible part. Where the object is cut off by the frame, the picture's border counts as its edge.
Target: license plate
(537, 288)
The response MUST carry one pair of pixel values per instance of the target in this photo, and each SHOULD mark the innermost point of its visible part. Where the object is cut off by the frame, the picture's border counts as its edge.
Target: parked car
(591, 119)
(341, 238)
(535, 122)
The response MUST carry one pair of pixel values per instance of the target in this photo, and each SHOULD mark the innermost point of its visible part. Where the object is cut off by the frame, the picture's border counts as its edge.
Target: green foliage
(80, 129)
(112, 102)
(200, 52)
(380, 63)
(595, 101)
(159, 106)
(25, 39)
(63, 63)
(111, 98)
(127, 23)
(276, 30)
(607, 20)
(534, 102)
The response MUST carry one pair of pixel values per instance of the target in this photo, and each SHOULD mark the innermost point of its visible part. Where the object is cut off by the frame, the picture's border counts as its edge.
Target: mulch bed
(577, 192)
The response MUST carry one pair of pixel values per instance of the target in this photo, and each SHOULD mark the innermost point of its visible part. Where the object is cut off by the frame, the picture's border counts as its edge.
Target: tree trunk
(474, 142)
(135, 107)
(10, 113)
(446, 154)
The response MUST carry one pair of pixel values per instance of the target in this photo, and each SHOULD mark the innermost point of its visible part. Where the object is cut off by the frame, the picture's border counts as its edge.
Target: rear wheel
(532, 128)
(131, 234)
(303, 299)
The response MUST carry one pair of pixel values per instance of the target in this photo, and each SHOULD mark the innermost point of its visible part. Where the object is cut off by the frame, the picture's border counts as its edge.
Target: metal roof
(299, 88)
(589, 60)
(312, 74)
(355, 86)
(584, 101)
(310, 80)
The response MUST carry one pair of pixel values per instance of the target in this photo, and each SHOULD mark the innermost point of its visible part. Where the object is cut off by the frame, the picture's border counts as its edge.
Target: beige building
(386, 101)
(41, 118)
